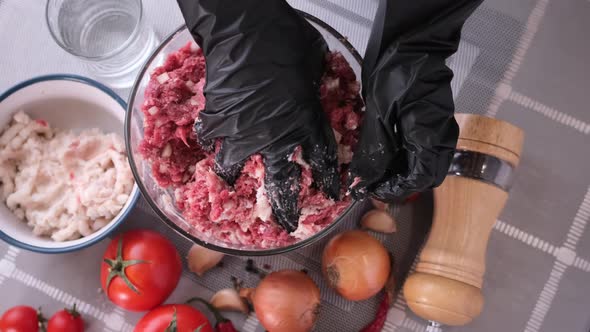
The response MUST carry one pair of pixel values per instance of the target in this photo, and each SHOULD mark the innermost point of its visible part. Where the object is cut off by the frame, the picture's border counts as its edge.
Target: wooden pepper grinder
(446, 287)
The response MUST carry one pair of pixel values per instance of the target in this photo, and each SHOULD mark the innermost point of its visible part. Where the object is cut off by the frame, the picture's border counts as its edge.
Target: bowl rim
(135, 193)
(229, 251)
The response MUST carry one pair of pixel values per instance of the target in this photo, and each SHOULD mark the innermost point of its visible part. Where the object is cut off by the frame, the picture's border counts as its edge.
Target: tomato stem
(74, 311)
(172, 327)
(118, 265)
(41, 320)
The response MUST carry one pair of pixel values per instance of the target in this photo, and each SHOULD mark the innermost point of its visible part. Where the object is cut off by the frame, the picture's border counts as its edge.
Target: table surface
(522, 61)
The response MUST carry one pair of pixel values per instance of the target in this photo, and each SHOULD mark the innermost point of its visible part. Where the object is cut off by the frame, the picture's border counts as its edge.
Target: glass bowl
(162, 200)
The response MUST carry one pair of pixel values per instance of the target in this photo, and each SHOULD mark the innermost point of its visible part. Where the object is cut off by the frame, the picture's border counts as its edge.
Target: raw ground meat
(240, 214)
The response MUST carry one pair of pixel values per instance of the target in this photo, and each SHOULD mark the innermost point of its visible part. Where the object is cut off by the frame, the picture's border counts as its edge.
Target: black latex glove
(264, 65)
(408, 133)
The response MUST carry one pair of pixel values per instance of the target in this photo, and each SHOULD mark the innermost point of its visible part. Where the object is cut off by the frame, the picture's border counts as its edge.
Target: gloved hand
(264, 65)
(408, 133)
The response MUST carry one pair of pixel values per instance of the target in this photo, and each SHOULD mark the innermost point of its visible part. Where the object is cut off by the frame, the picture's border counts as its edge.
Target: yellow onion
(287, 301)
(356, 265)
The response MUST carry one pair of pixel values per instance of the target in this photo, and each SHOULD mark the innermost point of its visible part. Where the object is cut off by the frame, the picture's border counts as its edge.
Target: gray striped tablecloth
(522, 61)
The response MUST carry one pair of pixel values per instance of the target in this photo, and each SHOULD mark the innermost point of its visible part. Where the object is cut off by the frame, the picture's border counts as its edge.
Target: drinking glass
(109, 35)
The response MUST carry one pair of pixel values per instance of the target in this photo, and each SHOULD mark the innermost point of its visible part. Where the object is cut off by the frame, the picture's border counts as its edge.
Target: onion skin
(287, 301)
(356, 265)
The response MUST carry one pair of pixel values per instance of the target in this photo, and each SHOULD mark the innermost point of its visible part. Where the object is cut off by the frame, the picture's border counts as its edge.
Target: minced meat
(240, 214)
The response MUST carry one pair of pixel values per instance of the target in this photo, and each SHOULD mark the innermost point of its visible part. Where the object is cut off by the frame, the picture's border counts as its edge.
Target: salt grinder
(446, 287)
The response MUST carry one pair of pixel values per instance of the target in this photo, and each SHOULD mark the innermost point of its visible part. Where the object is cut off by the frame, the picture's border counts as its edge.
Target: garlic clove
(229, 299)
(379, 221)
(201, 259)
(377, 204)
(246, 293)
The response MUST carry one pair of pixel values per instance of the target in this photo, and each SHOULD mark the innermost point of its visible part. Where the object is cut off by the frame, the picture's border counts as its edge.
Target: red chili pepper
(377, 324)
(413, 197)
(223, 324)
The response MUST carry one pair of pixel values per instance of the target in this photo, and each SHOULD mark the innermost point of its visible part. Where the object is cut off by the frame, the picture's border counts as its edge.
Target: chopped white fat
(337, 136)
(259, 173)
(61, 182)
(332, 84)
(304, 231)
(153, 110)
(163, 78)
(312, 210)
(297, 157)
(351, 126)
(163, 168)
(262, 210)
(344, 154)
(227, 213)
(167, 151)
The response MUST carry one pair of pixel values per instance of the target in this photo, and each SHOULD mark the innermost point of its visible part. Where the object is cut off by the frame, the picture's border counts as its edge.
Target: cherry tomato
(174, 318)
(140, 269)
(66, 321)
(21, 318)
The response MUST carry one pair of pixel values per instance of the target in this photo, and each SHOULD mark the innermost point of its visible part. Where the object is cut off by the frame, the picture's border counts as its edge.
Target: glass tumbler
(109, 35)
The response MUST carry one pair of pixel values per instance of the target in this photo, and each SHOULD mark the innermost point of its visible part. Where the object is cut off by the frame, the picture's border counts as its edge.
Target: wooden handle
(442, 300)
(449, 274)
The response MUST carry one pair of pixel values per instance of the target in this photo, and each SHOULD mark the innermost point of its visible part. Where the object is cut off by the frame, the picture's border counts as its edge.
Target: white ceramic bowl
(65, 102)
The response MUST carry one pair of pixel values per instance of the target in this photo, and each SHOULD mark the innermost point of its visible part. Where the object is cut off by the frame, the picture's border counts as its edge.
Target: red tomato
(174, 317)
(21, 318)
(140, 269)
(66, 321)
